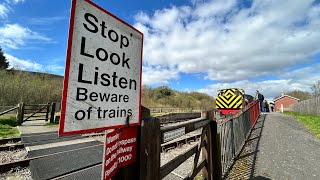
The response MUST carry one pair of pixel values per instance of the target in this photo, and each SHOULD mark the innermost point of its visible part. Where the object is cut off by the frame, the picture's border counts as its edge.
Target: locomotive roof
(230, 88)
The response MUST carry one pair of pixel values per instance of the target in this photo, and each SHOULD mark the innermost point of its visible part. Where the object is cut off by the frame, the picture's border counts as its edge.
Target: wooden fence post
(52, 112)
(216, 151)
(207, 150)
(149, 147)
(48, 111)
(148, 151)
(20, 113)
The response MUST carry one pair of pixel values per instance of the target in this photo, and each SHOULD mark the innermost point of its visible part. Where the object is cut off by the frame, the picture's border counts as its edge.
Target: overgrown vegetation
(302, 95)
(38, 88)
(31, 88)
(9, 119)
(7, 126)
(311, 122)
(164, 96)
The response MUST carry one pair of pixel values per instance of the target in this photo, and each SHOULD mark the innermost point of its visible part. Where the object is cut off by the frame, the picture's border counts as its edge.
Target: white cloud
(214, 8)
(14, 35)
(55, 69)
(157, 75)
(30, 65)
(300, 79)
(269, 88)
(46, 20)
(14, 1)
(231, 43)
(4, 10)
(22, 64)
(5, 7)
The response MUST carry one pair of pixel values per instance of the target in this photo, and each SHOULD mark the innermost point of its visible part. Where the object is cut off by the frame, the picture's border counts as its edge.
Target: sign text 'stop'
(102, 84)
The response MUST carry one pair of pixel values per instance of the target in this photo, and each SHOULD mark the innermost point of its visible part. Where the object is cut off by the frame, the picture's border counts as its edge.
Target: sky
(189, 45)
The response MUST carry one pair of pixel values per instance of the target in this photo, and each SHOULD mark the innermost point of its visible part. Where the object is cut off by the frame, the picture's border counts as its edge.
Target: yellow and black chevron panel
(229, 98)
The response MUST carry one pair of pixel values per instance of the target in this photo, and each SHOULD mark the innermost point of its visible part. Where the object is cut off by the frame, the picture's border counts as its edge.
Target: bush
(31, 88)
(11, 121)
(166, 97)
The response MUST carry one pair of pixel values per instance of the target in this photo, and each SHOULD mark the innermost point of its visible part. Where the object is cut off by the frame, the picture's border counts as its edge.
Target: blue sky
(190, 45)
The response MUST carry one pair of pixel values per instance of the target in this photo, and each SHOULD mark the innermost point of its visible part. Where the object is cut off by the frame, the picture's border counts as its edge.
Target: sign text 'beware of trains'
(103, 71)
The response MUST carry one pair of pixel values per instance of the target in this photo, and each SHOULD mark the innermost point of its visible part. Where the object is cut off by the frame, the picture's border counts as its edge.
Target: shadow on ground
(244, 165)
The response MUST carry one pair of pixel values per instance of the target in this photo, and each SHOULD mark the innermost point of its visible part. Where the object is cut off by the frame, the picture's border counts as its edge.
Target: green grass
(7, 126)
(7, 131)
(311, 122)
(9, 120)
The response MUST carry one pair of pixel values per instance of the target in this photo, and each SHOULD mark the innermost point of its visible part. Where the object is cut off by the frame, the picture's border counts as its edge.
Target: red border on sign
(67, 70)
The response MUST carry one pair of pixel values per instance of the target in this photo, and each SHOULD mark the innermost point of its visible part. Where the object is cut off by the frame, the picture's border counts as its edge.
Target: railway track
(26, 162)
(51, 157)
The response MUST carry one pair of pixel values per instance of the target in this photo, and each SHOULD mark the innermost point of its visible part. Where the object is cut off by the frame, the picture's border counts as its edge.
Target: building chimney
(282, 93)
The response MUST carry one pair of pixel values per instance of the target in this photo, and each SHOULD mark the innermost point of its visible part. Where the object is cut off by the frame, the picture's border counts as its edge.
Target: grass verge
(7, 126)
(310, 121)
(7, 131)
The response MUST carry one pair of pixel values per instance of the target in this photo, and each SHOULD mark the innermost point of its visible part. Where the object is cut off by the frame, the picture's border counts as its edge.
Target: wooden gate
(33, 112)
(150, 138)
(207, 145)
(219, 149)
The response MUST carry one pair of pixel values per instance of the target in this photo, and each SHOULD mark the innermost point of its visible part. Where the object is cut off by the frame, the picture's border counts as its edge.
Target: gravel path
(287, 150)
(280, 148)
(36, 126)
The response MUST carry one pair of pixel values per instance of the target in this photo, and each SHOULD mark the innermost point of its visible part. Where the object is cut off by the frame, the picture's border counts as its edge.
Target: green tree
(163, 91)
(4, 64)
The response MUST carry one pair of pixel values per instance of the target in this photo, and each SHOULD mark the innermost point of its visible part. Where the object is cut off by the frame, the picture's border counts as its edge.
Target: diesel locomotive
(231, 100)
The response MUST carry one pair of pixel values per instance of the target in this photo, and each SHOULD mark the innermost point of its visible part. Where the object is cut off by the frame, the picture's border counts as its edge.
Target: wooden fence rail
(9, 110)
(30, 112)
(218, 148)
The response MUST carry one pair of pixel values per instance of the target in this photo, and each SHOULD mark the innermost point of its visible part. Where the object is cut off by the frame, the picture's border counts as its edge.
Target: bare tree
(315, 88)
(302, 95)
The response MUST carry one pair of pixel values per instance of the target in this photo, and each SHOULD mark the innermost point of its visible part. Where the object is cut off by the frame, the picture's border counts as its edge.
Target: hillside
(30, 87)
(164, 96)
(33, 88)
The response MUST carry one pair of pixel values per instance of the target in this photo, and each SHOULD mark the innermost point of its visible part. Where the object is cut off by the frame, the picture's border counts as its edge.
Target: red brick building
(286, 102)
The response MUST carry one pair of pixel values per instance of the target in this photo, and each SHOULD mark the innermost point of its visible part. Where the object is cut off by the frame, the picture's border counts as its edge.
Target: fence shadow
(244, 165)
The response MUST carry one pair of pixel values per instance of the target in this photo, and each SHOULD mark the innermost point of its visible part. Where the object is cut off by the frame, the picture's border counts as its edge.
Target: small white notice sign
(103, 71)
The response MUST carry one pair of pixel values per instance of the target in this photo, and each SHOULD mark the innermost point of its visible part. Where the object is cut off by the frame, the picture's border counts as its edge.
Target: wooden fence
(218, 149)
(310, 106)
(9, 111)
(233, 133)
(150, 138)
(31, 112)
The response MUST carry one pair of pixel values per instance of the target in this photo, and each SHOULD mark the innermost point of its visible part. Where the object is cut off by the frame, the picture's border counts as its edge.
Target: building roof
(286, 96)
